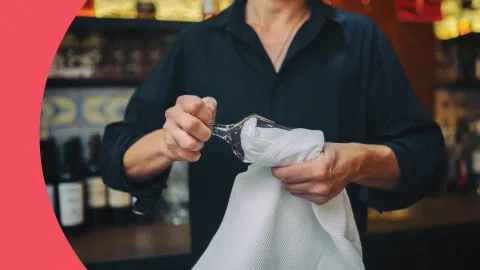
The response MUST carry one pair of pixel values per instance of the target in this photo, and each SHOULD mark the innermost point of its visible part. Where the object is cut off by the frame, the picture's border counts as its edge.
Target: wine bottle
(462, 168)
(210, 8)
(146, 9)
(120, 206)
(50, 168)
(475, 159)
(88, 9)
(97, 211)
(71, 191)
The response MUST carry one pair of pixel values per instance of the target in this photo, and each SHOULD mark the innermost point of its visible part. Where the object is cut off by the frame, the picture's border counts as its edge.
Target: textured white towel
(265, 227)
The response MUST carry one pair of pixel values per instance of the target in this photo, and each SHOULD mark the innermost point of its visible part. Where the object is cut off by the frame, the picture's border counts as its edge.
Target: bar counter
(429, 213)
(416, 231)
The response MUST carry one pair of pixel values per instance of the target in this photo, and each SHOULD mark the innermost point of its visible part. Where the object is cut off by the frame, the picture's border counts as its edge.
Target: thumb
(212, 105)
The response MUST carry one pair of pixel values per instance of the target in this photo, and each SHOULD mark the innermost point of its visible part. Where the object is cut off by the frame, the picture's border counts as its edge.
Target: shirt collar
(234, 16)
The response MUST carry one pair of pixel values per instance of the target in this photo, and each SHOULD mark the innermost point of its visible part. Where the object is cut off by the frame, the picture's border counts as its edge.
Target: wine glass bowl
(232, 133)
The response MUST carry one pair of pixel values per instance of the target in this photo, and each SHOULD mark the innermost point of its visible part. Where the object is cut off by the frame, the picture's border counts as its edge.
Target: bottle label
(70, 197)
(476, 161)
(118, 8)
(118, 199)
(51, 196)
(209, 7)
(97, 192)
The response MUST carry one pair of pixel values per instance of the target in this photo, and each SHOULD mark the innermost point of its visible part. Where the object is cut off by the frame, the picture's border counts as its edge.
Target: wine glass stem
(220, 131)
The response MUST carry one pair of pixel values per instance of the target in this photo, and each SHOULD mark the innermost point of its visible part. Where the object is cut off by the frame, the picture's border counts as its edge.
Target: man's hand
(187, 127)
(185, 131)
(323, 178)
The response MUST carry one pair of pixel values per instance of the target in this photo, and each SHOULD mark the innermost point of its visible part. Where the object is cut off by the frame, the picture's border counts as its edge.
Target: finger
(212, 106)
(196, 107)
(304, 187)
(298, 173)
(183, 139)
(319, 200)
(193, 126)
(177, 153)
(191, 156)
(317, 189)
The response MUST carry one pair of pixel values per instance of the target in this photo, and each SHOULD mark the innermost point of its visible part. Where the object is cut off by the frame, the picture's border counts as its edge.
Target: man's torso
(320, 86)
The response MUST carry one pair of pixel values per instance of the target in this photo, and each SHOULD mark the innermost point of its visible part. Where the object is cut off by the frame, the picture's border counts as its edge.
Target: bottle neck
(94, 157)
(74, 167)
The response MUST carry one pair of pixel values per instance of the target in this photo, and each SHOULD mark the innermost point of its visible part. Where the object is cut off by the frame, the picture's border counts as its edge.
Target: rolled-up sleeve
(145, 113)
(397, 120)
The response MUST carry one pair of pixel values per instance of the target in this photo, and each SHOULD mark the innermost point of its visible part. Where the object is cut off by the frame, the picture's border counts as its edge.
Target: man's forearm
(377, 167)
(145, 158)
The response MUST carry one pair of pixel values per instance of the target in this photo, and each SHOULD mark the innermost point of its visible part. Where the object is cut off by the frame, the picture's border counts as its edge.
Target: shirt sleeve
(145, 112)
(397, 120)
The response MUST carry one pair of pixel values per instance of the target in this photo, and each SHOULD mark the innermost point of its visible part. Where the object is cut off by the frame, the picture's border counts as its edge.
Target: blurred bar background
(112, 45)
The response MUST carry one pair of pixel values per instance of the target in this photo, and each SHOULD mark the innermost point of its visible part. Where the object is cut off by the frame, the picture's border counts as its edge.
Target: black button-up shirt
(341, 75)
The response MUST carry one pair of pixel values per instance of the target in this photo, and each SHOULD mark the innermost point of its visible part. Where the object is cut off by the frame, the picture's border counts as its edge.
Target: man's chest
(315, 89)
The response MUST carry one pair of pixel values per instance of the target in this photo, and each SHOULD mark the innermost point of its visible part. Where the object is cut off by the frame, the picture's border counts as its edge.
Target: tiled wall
(81, 112)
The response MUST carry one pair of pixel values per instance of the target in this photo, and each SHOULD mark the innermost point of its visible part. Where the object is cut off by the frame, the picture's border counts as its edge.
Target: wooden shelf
(464, 38)
(67, 83)
(132, 243)
(143, 242)
(473, 85)
(106, 24)
(125, 26)
(429, 213)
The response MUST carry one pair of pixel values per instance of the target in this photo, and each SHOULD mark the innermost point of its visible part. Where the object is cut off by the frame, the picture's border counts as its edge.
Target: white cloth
(265, 227)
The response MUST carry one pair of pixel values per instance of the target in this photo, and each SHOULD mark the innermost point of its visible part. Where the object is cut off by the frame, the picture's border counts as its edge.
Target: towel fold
(265, 227)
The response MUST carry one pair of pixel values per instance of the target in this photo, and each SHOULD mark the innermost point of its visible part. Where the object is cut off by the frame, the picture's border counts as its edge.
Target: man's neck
(273, 13)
